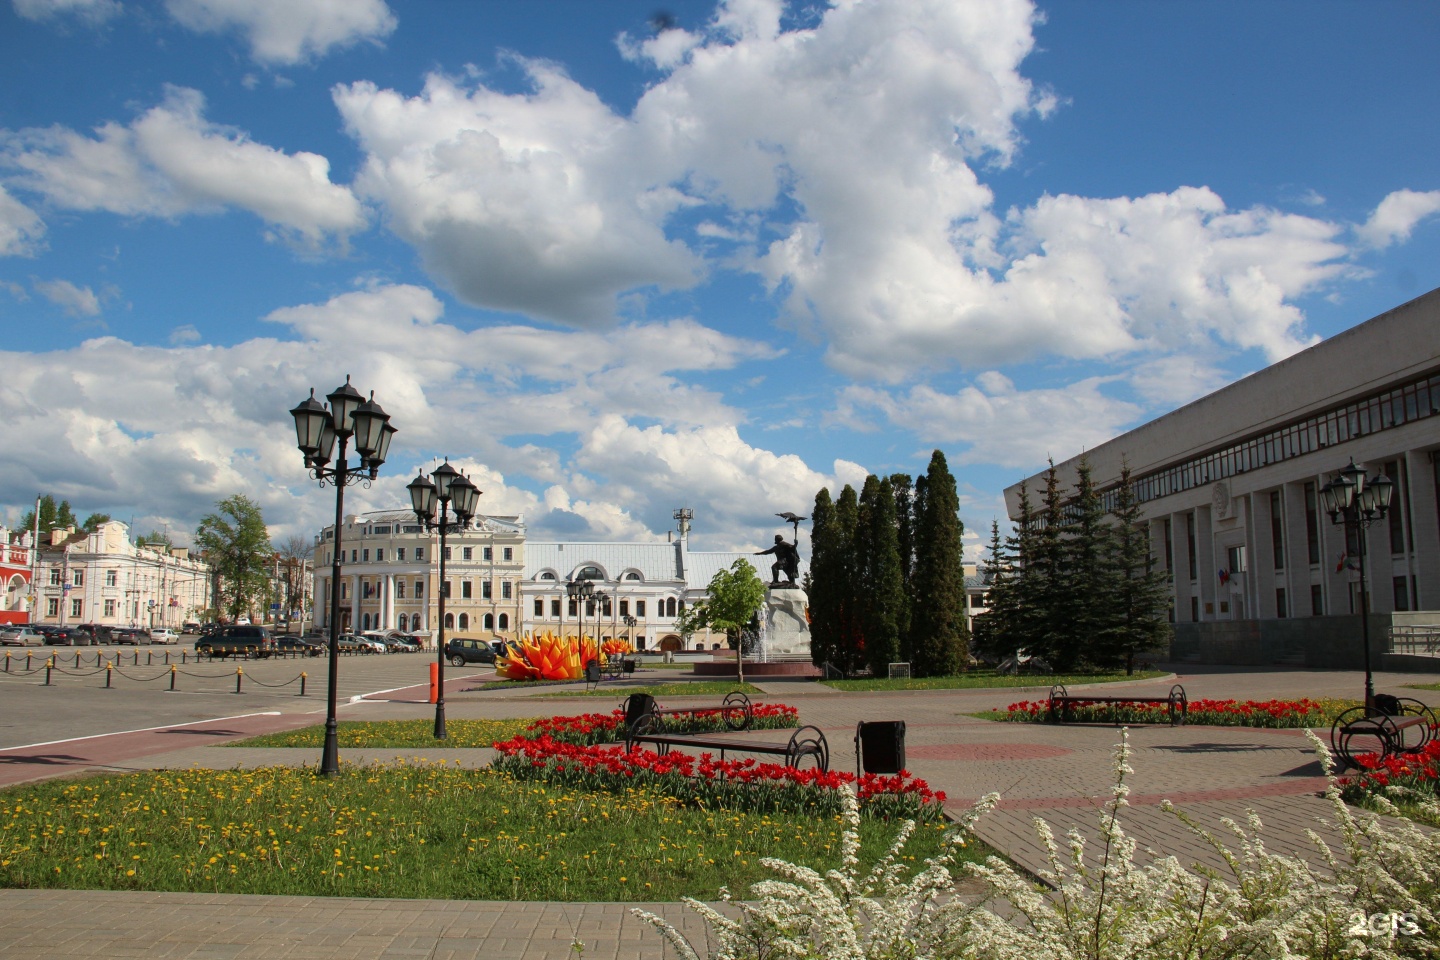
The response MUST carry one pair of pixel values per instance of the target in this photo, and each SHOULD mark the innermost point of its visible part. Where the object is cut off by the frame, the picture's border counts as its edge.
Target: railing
(1415, 639)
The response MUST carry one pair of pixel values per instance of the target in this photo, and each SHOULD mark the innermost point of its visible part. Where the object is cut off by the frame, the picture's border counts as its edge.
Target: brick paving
(1059, 774)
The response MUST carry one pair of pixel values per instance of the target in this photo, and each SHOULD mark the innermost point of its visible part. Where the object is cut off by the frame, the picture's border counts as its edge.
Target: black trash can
(628, 666)
(880, 746)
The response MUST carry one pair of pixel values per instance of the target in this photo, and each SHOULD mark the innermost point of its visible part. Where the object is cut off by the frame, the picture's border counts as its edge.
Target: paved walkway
(1060, 774)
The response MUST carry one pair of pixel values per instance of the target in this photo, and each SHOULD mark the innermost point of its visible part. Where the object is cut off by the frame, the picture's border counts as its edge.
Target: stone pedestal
(787, 632)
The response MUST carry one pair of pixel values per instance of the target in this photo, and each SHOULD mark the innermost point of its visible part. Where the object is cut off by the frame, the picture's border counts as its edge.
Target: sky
(613, 259)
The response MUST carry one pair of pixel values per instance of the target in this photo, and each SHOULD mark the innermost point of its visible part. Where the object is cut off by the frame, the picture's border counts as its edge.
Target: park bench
(1061, 701)
(1391, 726)
(805, 742)
(735, 709)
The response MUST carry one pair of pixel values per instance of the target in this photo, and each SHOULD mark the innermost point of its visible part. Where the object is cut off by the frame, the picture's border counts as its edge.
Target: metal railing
(1415, 639)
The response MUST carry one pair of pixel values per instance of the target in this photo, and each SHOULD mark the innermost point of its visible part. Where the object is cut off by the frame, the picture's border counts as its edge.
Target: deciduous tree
(235, 542)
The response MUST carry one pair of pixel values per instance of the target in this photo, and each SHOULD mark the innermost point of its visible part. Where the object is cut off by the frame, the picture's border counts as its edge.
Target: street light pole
(445, 486)
(317, 428)
(1352, 500)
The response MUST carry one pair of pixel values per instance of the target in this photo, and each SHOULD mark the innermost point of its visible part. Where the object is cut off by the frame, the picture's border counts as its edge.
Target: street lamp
(1353, 500)
(317, 427)
(630, 624)
(445, 485)
(580, 591)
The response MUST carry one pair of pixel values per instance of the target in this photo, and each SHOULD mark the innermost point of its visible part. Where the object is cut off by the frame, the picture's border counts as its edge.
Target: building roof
(654, 561)
(705, 564)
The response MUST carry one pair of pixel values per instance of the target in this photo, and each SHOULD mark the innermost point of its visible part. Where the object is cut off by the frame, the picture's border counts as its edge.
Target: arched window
(591, 573)
(632, 575)
(547, 575)
(449, 621)
(464, 621)
(404, 623)
(366, 621)
(489, 621)
(670, 607)
(504, 621)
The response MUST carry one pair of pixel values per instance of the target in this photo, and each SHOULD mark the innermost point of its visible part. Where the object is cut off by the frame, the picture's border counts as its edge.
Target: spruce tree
(992, 628)
(1142, 593)
(1023, 621)
(882, 589)
(1090, 582)
(821, 587)
(850, 599)
(1053, 638)
(940, 637)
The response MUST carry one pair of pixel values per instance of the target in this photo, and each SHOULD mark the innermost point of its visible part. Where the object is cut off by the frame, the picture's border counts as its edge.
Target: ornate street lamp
(446, 486)
(317, 427)
(580, 591)
(630, 624)
(1354, 501)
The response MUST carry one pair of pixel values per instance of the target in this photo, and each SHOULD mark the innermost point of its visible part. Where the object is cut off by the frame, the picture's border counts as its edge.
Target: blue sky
(614, 269)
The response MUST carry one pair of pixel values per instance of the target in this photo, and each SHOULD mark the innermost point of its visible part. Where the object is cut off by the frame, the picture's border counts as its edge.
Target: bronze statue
(787, 559)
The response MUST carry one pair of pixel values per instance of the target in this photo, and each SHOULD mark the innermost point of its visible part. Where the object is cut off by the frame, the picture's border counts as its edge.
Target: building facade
(104, 578)
(390, 576)
(1230, 483)
(16, 557)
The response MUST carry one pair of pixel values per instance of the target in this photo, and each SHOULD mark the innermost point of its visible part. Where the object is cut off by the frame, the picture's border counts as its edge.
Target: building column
(1421, 507)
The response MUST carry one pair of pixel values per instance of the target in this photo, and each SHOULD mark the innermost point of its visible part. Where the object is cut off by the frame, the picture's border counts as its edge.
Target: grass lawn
(408, 831)
(978, 679)
(398, 734)
(684, 688)
(1422, 686)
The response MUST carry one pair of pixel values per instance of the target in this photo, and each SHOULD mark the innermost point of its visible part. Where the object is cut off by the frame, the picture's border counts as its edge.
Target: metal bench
(735, 710)
(1392, 726)
(805, 742)
(1061, 701)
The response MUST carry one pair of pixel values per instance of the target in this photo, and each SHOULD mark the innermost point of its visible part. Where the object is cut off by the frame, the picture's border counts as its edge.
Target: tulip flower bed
(710, 784)
(1217, 713)
(1401, 779)
(589, 729)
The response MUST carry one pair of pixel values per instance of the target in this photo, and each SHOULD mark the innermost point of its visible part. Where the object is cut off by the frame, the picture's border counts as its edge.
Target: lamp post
(317, 427)
(630, 624)
(580, 591)
(1353, 500)
(446, 485)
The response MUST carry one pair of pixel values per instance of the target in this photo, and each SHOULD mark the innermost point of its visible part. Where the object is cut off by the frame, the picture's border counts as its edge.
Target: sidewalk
(1062, 774)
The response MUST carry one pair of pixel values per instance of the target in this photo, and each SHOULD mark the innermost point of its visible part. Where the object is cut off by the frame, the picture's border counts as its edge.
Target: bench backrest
(1388, 704)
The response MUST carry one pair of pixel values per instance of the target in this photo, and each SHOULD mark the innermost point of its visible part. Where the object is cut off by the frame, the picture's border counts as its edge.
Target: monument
(787, 628)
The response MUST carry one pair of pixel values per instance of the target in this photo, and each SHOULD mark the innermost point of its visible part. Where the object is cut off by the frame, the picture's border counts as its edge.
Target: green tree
(157, 540)
(1142, 594)
(992, 634)
(879, 579)
(940, 638)
(732, 599)
(847, 578)
(92, 522)
(235, 542)
(52, 517)
(1049, 591)
(1088, 569)
(820, 588)
(904, 492)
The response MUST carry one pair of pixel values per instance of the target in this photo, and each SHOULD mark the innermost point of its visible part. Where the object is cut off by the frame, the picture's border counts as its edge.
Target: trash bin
(880, 746)
(628, 666)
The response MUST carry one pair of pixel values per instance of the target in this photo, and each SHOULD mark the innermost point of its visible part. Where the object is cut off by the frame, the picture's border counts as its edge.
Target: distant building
(16, 557)
(104, 578)
(1230, 483)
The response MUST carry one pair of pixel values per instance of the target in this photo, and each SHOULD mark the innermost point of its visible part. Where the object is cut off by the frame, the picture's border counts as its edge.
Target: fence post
(49, 665)
(172, 676)
(109, 668)
(149, 657)
(302, 681)
(7, 661)
(239, 673)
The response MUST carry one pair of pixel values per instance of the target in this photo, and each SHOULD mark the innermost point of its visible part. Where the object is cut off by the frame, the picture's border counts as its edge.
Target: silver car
(20, 637)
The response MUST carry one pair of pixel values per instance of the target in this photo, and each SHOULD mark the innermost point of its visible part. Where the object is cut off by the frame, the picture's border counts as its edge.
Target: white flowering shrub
(1376, 898)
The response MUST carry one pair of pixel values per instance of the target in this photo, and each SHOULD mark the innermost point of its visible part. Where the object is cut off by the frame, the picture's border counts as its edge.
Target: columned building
(390, 576)
(1230, 483)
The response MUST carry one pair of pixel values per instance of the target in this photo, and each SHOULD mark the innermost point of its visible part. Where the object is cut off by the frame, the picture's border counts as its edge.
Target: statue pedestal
(787, 632)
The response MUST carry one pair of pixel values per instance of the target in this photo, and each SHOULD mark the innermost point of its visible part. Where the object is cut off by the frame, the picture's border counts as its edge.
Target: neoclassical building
(390, 575)
(1230, 485)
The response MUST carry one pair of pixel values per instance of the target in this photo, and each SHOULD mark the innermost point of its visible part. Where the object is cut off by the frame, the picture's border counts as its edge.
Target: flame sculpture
(616, 647)
(548, 657)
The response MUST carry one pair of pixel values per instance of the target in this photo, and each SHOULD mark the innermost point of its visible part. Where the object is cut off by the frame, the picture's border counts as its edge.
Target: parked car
(97, 632)
(351, 643)
(402, 643)
(69, 637)
(463, 650)
(239, 640)
(21, 636)
(190, 626)
(133, 635)
(299, 645)
(164, 635)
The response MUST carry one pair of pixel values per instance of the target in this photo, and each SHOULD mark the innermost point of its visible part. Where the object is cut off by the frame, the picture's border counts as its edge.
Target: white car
(164, 635)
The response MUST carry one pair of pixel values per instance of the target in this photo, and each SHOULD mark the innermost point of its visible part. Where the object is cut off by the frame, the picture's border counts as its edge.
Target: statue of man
(787, 559)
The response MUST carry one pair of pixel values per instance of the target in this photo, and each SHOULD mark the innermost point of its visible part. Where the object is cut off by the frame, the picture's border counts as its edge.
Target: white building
(1230, 485)
(390, 575)
(649, 582)
(103, 578)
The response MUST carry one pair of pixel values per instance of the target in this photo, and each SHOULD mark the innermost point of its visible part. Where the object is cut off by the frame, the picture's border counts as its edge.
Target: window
(400, 554)
(464, 621)
(109, 608)
(419, 589)
(55, 576)
(365, 556)
(573, 607)
(352, 556)
(52, 607)
(465, 587)
(555, 607)
(509, 554)
(344, 589)
(1280, 610)
(445, 589)
(505, 589)
(1236, 559)
(380, 555)
(1169, 547)
(1190, 542)
(669, 607)
(419, 554)
(605, 611)
(489, 553)
(77, 577)
(365, 622)
(75, 608)
(547, 575)
(1277, 530)
(489, 621)
(632, 575)
(539, 606)
(1194, 609)
(639, 608)
(449, 621)
(1402, 595)
(504, 621)
(1395, 514)
(448, 551)
(111, 577)
(486, 589)
(400, 592)
(624, 608)
(404, 622)
(469, 553)
(1317, 600)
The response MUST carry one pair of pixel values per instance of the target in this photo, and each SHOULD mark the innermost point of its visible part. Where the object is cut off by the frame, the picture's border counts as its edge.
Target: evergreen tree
(904, 494)
(940, 637)
(1050, 595)
(1023, 622)
(849, 639)
(879, 573)
(92, 522)
(1142, 593)
(992, 636)
(52, 517)
(237, 545)
(822, 587)
(1088, 569)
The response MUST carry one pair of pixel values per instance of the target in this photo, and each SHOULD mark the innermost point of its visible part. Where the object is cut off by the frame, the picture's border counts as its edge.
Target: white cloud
(1397, 215)
(185, 333)
(285, 32)
(1169, 382)
(172, 161)
(20, 227)
(526, 202)
(1000, 424)
(93, 12)
(76, 301)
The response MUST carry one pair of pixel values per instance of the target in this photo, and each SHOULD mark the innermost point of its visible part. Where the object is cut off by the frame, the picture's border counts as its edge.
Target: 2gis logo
(1392, 924)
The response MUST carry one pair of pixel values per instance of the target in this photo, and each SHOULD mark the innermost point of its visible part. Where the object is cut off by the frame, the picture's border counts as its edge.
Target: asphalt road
(77, 703)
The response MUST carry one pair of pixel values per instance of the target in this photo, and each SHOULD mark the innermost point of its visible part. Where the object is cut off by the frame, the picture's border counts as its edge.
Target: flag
(1224, 577)
(1341, 564)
